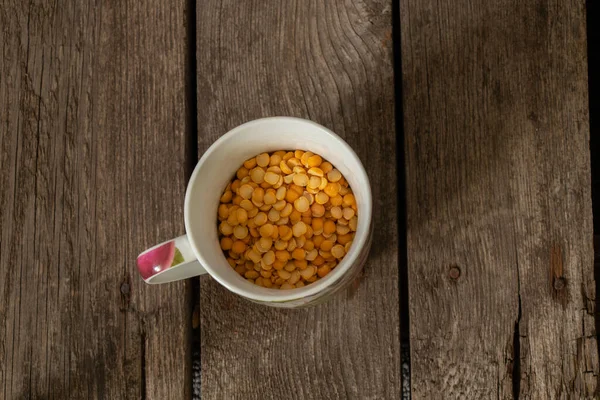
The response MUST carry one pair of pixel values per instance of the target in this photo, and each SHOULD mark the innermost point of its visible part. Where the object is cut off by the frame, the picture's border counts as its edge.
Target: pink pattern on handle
(153, 261)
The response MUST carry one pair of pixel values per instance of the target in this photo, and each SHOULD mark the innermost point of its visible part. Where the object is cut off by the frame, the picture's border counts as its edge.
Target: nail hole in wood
(454, 272)
(125, 288)
(560, 283)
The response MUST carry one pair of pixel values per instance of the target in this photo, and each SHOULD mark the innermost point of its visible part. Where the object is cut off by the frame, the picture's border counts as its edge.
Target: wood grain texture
(498, 186)
(330, 62)
(92, 128)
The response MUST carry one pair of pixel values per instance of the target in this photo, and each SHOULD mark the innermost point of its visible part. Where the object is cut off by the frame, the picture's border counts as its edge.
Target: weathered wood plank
(330, 62)
(498, 186)
(92, 128)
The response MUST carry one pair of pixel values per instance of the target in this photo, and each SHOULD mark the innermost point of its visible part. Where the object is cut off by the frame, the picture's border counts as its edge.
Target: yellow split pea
(286, 219)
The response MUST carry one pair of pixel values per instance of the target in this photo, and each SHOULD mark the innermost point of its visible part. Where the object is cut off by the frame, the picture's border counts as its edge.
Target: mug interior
(219, 164)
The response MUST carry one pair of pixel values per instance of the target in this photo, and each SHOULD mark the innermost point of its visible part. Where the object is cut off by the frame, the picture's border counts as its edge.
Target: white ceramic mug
(199, 251)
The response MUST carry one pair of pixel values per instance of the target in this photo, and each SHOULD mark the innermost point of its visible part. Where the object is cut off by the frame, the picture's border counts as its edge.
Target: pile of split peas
(286, 219)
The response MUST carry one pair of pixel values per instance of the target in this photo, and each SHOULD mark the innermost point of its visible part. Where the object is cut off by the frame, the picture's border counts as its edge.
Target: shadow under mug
(199, 251)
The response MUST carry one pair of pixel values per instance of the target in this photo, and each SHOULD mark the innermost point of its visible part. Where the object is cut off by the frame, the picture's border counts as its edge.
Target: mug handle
(169, 261)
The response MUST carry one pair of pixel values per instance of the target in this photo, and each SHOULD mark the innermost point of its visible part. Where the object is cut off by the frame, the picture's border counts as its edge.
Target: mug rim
(316, 287)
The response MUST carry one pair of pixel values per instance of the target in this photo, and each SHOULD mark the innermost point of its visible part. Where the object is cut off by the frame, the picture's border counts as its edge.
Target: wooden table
(471, 118)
